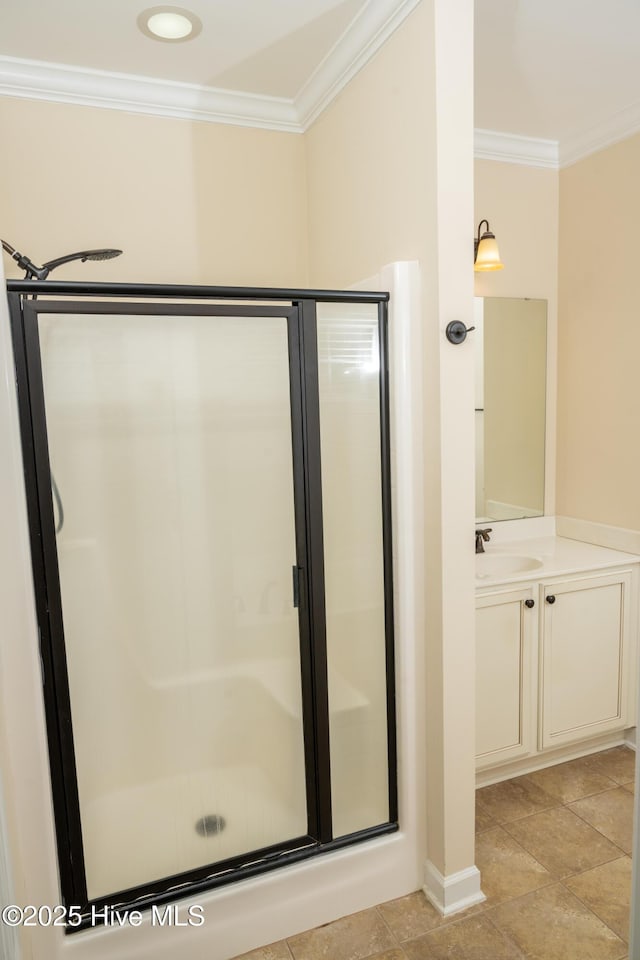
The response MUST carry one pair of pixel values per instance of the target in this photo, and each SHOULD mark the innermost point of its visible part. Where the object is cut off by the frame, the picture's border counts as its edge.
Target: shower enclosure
(207, 479)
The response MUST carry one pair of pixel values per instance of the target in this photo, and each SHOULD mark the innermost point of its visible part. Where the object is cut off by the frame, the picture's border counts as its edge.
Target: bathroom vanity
(556, 647)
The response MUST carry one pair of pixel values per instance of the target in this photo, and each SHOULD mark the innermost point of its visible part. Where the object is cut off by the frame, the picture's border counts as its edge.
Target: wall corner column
(452, 882)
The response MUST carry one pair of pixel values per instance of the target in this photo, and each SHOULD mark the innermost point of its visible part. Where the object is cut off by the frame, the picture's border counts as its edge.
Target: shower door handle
(296, 586)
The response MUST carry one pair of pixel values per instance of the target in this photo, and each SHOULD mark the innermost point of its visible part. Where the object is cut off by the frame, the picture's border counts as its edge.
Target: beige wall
(521, 204)
(187, 202)
(599, 338)
(371, 164)
(390, 175)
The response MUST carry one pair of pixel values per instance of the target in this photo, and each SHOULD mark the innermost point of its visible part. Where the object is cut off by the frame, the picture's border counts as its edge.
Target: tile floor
(553, 848)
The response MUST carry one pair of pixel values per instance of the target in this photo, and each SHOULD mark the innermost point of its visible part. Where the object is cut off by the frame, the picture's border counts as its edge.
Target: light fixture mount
(486, 255)
(169, 24)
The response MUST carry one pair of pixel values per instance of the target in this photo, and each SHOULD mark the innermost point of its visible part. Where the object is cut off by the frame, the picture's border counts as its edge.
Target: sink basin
(492, 565)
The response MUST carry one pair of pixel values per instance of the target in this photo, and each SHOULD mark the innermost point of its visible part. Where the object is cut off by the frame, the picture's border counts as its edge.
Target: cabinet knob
(529, 603)
(550, 598)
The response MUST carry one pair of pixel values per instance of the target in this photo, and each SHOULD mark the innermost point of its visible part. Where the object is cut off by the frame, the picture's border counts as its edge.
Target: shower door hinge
(40, 657)
(296, 586)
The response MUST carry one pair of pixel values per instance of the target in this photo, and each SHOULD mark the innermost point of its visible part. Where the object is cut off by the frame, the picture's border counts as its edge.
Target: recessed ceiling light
(171, 24)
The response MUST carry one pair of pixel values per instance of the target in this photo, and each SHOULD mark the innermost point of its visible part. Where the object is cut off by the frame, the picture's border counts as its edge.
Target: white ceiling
(270, 63)
(560, 70)
(266, 47)
(557, 69)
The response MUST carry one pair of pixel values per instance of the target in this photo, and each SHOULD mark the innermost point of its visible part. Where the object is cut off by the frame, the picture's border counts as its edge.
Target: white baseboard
(453, 893)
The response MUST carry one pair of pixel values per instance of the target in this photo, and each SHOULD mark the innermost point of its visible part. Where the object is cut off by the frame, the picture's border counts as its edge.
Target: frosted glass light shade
(169, 24)
(488, 255)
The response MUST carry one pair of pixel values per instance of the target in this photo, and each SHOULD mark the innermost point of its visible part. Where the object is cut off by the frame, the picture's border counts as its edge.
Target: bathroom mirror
(511, 351)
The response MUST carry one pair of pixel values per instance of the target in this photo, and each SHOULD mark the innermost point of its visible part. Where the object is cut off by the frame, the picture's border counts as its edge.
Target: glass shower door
(207, 473)
(170, 447)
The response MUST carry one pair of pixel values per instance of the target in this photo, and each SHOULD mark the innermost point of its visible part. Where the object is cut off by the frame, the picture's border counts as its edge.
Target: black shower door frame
(298, 308)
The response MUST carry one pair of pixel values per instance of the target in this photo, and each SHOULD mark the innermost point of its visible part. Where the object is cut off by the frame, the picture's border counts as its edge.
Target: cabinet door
(585, 646)
(505, 631)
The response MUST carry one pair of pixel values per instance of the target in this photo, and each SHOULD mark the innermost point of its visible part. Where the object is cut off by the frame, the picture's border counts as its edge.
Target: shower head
(106, 253)
(33, 272)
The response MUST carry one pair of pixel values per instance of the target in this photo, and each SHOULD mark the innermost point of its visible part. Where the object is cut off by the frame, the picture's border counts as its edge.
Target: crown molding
(621, 125)
(511, 148)
(364, 36)
(61, 83)
(36, 80)
(39, 80)
(556, 154)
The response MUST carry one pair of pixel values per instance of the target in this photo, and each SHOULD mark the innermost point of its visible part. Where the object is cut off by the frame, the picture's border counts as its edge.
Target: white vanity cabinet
(506, 635)
(585, 647)
(555, 657)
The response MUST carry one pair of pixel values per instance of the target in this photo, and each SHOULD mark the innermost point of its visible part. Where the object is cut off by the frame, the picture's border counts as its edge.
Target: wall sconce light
(486, 255)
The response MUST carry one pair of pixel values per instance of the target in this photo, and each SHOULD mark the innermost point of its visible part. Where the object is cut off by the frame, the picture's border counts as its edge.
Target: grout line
(552, 879)
(527, 816)
(592, 911)
(505, 827)
(445, 923)
(559, 883)
(567, 805)
(555, 801)
(564, 802)
(615, 785)
(490, 909)
(616, 856)
(508, 936)
(529, 893)
(589, 824)
(596, 793)
(395, 938)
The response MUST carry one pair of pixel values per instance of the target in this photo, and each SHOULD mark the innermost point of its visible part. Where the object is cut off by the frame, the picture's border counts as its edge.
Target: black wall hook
(457, 332)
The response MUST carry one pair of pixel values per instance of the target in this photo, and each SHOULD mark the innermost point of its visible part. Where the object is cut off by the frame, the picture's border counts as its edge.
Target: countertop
(558, 555)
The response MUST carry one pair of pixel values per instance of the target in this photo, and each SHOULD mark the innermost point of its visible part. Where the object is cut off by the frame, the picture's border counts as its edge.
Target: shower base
(140, 834)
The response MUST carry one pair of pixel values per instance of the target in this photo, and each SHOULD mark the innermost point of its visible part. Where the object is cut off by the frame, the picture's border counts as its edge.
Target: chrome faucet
(482, 537)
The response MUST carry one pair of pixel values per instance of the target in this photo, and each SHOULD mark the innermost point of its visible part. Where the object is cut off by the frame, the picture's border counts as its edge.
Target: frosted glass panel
(170, 445)
(349, 367)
